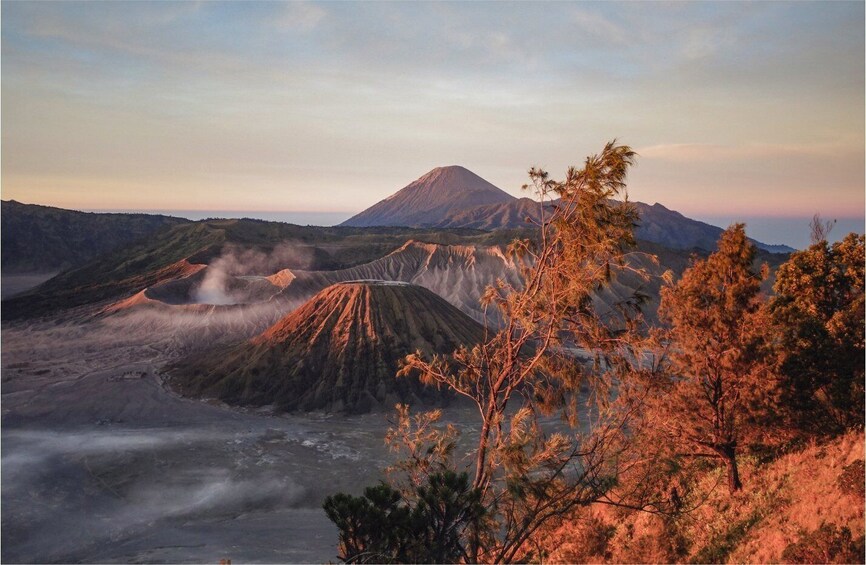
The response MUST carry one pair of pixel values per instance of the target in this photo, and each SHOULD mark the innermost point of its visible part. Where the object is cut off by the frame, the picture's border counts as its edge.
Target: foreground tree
(716, 354)
(525, 474)
(818, 332)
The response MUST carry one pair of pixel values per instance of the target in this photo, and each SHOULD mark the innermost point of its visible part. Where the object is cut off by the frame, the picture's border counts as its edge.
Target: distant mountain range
(109, 256)
(454, 197)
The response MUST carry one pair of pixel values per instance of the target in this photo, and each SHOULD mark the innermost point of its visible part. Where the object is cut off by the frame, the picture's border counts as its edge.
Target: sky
(736, 109)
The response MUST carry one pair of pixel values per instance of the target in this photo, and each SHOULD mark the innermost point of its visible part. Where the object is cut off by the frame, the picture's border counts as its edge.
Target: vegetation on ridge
(43, 239)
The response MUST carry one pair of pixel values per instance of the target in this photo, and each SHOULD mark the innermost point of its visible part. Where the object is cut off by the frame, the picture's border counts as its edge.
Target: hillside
(42, 239)
(460, 273)
(804, 506)
(456, 263)
(657, 224)
(504, 215)
(457, 273)
(340, 351)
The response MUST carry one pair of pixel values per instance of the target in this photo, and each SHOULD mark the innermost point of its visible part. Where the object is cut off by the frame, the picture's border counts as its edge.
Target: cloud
(600, 27)
(304, 16)
(715, 153)
(235, 261)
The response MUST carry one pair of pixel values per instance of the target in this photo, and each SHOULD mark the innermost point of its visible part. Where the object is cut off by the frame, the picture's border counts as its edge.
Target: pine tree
(714, 313)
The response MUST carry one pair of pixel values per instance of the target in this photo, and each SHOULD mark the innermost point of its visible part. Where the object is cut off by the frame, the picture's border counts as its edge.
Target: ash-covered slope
(461, 273)
(340, 351)
(514, 214)
(434, 197)
(457, 273)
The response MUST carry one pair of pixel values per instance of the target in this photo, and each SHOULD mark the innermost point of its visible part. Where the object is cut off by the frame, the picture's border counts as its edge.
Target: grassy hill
(42, 239)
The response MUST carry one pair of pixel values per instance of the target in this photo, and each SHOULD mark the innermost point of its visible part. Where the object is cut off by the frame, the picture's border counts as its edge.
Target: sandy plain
(102, 463)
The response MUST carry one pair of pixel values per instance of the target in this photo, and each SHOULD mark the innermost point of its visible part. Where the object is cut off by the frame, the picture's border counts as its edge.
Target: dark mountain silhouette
(42, 239)
(434, 197)
(340, 351)
(672, 229)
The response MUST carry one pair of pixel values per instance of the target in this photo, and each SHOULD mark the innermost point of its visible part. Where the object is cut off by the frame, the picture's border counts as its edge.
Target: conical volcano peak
(459, 169)
(456, 180)
(432, 198)
(453, 173)
(340, 351)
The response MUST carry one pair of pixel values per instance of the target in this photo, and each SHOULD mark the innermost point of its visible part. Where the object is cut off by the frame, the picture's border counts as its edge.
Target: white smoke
(217, 286)
(213, 289)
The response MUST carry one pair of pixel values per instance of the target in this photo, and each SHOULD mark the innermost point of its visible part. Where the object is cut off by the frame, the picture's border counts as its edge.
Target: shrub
(851, 481)
(827, 544)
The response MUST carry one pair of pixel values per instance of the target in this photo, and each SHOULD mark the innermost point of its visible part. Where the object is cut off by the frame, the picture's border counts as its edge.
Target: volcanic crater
(338, 352)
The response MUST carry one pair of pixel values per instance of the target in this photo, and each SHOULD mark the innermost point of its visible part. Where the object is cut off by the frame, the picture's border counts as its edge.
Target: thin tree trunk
(480, 478)
(730, 458)
(481, 458)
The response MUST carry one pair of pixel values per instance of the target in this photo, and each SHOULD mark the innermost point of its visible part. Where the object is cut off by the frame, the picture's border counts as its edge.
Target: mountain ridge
(658, 224)
(46, 239)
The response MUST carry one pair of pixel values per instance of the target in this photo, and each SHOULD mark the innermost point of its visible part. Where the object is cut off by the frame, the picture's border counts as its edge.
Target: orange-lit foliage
(798, 507)
(818, 332)
(715, 352)
(527, 476)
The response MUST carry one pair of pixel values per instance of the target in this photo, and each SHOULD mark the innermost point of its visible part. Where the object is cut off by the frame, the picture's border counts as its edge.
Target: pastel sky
(735, 108)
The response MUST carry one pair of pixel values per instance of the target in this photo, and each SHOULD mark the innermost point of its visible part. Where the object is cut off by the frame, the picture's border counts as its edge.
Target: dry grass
(783, 502)
(807, 493)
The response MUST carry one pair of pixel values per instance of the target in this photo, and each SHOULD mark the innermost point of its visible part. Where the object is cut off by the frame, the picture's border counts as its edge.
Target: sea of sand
(103, 463)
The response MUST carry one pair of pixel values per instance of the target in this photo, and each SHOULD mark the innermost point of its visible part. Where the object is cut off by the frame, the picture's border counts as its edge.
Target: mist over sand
(101, 463)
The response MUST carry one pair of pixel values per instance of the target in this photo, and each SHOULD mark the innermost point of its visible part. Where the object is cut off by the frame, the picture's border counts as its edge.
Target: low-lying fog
(100, 463)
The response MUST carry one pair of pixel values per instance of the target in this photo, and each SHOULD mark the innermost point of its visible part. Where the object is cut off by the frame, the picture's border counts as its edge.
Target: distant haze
(789, 231)
(299, 218)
